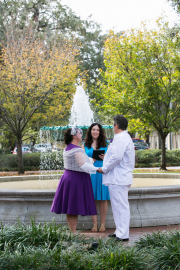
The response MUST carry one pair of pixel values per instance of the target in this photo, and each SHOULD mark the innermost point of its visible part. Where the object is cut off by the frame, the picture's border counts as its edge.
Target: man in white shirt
(117, 170)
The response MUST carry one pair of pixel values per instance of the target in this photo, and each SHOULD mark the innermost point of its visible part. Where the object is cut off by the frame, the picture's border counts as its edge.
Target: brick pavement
(135, 233)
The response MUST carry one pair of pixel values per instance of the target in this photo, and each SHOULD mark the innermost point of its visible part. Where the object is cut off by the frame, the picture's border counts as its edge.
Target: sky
(122, 14)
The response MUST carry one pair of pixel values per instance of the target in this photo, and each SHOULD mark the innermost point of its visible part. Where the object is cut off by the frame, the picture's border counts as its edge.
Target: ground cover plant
(163, 249)
(53, 247)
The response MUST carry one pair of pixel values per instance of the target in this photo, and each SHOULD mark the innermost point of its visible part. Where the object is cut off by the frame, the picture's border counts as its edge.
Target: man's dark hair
(121, 121)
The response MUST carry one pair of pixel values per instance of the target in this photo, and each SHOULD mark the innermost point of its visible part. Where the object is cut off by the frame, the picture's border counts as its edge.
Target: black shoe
(121, 240)
(112, 235)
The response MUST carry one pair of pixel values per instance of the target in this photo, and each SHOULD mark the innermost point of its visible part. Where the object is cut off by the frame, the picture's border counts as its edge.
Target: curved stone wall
(150, 206)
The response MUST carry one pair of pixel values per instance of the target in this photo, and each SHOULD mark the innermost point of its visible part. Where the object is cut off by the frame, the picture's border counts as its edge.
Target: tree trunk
(147, 138)
(20, 157)
(160, 142)
(132, 134)
(163, 153)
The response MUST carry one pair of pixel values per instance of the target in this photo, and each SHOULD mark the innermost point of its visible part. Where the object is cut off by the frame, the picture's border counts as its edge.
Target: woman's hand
(94, 159)
(100, 170)
(101, 156)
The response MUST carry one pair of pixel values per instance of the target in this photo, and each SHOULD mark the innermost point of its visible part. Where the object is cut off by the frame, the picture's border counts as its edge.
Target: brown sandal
(102, 228)
(94, 228)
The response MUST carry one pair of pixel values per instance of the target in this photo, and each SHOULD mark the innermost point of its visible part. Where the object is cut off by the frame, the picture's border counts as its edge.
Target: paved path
(135, 233)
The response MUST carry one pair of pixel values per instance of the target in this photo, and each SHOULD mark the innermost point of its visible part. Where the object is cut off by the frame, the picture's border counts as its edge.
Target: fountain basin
(149, 205)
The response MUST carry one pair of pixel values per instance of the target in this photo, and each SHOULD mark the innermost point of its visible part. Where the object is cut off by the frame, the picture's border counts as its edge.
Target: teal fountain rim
(66, 127)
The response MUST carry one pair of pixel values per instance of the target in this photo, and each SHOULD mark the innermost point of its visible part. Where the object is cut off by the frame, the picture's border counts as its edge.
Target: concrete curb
(29, 177)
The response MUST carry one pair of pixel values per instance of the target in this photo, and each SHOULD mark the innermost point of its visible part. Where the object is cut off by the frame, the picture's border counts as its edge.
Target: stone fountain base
(150, 206)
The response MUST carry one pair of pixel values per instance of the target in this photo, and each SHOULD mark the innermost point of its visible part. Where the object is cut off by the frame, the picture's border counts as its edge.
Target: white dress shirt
(119, 161)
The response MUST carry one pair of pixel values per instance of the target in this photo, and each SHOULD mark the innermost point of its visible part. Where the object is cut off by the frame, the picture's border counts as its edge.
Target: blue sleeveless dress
(101, 192)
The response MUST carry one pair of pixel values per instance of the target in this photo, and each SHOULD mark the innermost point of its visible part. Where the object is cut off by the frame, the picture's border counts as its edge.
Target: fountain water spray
(82, 117)
(81, 113)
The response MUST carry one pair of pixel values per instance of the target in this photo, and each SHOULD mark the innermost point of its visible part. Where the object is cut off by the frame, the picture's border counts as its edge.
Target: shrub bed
(32, 162)
(52, 247)
(163, 249)
(152, 158)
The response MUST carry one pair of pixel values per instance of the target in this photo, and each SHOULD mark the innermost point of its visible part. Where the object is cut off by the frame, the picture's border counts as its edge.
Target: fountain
(154, 197)
(81, 113)
(82, 117)
(149, 205)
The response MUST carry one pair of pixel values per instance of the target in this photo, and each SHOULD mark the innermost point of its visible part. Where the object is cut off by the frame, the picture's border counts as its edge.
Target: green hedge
(2, 152)
(32, 162)
(54, 161)
(152, 158)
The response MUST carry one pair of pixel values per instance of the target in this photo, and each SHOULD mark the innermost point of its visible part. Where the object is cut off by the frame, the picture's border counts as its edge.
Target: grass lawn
(156, 171)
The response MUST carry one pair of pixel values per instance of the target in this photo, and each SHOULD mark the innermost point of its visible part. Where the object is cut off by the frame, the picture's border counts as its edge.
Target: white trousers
(120, 208)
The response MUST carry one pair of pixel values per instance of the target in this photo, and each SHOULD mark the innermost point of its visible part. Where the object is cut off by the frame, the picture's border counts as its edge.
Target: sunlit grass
(156, 171)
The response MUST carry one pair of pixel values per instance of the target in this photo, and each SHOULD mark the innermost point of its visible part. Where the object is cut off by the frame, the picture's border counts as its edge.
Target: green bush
(32, 162)
(6, 152)
(152, 158)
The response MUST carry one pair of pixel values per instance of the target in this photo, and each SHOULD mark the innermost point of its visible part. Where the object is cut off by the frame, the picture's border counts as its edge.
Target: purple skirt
(74, 195)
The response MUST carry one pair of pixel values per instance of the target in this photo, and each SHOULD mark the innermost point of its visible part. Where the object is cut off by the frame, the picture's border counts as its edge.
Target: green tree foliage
(33, 70)
(49, 15)
(142, 79)
(7, 141)
(175, 4)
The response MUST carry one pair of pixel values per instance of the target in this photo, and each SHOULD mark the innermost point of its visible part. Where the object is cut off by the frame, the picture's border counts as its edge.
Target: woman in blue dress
(95, 139)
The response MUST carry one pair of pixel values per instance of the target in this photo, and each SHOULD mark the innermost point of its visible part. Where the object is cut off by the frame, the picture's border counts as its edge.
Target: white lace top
(77, 160)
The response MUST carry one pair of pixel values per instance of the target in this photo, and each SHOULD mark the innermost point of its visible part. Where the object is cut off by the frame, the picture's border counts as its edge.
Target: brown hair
(67, 136)
(101, 141)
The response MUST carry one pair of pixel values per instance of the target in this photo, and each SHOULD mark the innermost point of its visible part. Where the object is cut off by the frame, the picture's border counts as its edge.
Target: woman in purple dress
(74, 194)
